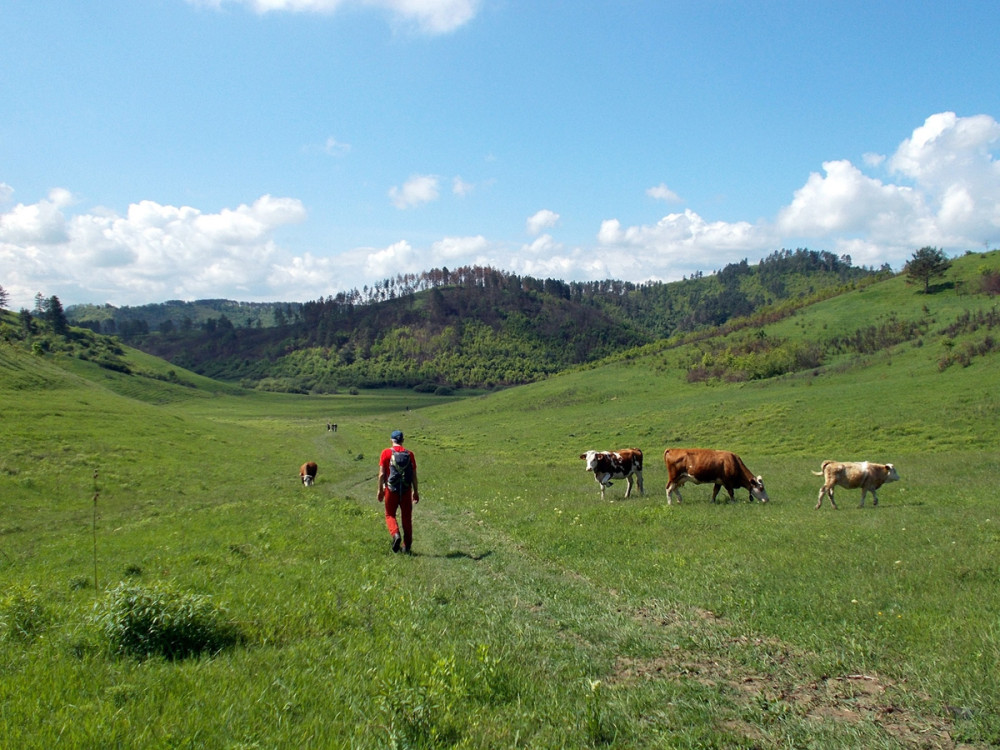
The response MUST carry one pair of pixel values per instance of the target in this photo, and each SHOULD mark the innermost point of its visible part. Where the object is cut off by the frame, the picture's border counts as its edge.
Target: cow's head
(308, 480)
(591, 458)
(757, 489)
(891, 475)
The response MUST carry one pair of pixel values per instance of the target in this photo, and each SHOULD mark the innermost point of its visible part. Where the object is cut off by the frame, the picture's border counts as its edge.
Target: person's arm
(380, 493)
(416, 492)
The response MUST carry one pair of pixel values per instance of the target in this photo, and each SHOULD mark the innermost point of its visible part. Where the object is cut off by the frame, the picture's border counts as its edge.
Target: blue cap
(397, 436)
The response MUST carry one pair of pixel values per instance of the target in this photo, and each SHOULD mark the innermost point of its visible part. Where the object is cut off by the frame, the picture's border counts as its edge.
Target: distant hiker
(397, 488)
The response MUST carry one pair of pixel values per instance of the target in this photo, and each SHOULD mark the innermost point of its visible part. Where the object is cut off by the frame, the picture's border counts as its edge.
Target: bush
(141, 622)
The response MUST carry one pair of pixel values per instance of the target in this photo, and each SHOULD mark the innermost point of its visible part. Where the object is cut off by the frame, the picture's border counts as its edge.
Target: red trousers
(404, 504)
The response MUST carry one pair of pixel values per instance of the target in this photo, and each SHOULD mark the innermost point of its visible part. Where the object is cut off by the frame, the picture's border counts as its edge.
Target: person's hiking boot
(397, 540)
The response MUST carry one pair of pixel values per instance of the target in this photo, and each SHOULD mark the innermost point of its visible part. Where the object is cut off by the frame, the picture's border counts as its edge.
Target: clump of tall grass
(23, 614)
(146, 621)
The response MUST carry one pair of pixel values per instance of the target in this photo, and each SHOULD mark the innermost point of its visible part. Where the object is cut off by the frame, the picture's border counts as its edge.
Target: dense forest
(469, 327)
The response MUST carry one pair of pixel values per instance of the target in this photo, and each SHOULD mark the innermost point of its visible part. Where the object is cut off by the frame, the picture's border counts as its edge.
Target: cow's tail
(822, 470)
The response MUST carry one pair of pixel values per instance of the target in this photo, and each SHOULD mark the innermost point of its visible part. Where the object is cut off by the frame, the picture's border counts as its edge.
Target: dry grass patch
(766, 677)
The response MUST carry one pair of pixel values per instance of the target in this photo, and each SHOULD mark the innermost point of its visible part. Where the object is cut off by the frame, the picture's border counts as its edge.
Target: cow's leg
(599, 484)
(874, 499)
(628, 486)
(819, 500)
(864, 493)
(673, 489)
(638, 476)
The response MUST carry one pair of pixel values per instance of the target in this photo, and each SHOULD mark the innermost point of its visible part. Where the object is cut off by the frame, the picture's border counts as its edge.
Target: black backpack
(400, 471)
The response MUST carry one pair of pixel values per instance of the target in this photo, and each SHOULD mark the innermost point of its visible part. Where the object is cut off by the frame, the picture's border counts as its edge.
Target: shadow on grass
(457, 554)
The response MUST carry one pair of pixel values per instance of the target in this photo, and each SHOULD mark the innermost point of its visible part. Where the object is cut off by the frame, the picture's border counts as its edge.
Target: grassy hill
(532, 614)
(471, 327)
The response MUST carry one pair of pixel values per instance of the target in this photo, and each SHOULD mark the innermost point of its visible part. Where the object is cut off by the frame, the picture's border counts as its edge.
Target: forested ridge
(469, 327)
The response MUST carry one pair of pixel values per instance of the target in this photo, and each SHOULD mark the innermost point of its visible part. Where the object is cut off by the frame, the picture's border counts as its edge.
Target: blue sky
(289, 149)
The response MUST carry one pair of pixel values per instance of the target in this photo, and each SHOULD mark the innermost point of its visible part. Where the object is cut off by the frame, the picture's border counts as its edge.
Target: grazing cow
(607, 465)
(851, 475)
(703, 466)
(308, 473)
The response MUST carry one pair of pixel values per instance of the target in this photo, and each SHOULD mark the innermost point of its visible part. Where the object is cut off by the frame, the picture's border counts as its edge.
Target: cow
(307, 473)
(623, 464)
(704, 466)
(853, 474)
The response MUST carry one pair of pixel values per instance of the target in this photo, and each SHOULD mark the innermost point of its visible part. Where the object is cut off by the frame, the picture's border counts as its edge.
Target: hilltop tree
(56, 316)
(4, 298)
(925, 264)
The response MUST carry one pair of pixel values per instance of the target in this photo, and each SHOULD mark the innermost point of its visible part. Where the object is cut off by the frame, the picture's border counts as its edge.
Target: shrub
(140, 621)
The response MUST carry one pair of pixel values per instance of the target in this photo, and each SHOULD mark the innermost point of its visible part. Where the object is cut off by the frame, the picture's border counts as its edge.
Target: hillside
(471, 327)
(533, 613)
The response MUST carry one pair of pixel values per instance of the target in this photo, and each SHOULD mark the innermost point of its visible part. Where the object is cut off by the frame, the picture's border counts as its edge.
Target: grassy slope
(728, 625)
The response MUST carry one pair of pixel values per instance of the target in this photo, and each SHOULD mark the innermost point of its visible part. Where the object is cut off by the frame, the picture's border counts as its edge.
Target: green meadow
(532, 614)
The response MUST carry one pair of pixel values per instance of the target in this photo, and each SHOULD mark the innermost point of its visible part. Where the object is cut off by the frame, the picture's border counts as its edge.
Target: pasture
(532, 614)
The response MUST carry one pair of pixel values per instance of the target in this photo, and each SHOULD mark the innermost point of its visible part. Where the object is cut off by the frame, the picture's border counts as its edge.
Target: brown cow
(307, 473)
(853, 474)
(704, 466)
(607, 465)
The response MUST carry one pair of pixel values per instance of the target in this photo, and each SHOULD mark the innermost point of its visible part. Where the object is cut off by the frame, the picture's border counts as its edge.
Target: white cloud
(460, 187)
(333, 147)
(430, 16)
(415, 191)
(845, 200)
(662, 193)
(951, 195)
(154, 252)
(872, 159)
(450, 249)
(941, 187)
(42, 223)
(544, 219)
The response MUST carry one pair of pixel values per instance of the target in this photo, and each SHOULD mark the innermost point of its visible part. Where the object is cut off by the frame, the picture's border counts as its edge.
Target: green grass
(532, 614)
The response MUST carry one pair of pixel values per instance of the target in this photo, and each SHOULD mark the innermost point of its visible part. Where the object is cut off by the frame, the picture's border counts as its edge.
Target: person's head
(396, 437)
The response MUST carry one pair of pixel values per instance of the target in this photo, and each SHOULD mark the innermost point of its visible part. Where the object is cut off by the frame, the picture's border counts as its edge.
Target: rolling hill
(532, 614)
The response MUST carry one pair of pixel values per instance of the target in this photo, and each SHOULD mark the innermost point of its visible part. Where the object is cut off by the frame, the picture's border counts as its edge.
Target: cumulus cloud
(844, 200)
(544, 219)
(415, 191)
(430, 16)
(662, 193)
(940, 187)
(154, 252)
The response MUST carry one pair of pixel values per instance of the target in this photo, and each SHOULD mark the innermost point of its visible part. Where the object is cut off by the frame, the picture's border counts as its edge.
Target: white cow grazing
(853, 474)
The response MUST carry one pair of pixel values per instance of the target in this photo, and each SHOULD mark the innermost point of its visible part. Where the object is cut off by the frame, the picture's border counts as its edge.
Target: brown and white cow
(307, 472)
(623, 464)
(853, 474)
(704, 466)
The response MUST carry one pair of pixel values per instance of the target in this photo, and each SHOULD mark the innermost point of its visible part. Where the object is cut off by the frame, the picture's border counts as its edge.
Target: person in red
(397, 488)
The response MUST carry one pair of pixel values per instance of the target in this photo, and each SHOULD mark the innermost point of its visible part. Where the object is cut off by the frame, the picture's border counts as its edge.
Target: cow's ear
(889, 466)
(583, 455)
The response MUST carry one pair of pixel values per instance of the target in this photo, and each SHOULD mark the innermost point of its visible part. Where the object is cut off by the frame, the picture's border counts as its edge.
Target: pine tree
(56, 316)
(925, 264)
